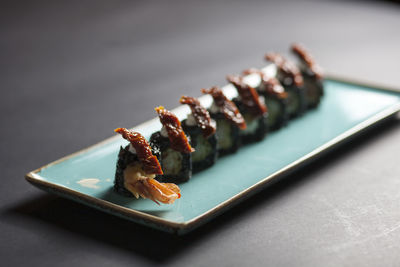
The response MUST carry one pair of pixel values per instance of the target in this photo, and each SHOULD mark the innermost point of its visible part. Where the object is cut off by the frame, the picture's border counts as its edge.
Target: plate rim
(186, 226)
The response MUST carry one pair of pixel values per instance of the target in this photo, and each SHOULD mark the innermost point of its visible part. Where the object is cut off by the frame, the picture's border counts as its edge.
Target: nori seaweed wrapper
(201, 161)
(277, 111)
(226, 144)
(314, 89)
(261, 127)
(297, 104)
(125, 158)
(181, 171)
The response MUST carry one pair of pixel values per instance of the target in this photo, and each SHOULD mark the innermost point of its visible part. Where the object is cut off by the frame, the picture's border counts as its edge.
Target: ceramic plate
(87, 176)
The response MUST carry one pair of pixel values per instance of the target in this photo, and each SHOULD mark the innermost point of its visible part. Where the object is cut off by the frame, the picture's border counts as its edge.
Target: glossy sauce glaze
(143, 150)
(176, 135)
(200, 114)
(290, 72)
(226, 106)
(248, 96)
(270, 85)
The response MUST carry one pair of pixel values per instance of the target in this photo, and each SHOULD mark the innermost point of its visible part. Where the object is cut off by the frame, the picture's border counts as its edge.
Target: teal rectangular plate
(87, 176)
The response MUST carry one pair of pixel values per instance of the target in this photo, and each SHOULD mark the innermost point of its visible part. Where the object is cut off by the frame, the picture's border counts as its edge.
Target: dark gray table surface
(72, 71)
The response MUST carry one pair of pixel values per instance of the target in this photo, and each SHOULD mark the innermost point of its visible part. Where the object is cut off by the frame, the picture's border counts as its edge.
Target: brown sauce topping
(286, 68)
(200, 114)
(270, 85)
(248, 95)
(143, 150)
(227, 107)
(177, 137)
(308, 60)
(251, 71)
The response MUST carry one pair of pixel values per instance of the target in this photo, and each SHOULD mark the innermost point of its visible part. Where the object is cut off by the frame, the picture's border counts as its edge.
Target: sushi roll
(275, 97)
(201, 130)
(290, 77)
(229, 121)
(136, 169)
(172, 148)
(312, 74)
(253, 109)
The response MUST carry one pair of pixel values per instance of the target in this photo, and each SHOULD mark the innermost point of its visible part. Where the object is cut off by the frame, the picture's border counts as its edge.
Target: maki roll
(312, 74)
(201, 130)
(229, 121)
(136, 169)
(172, 148)
(275, 97)
(290, 77)
(253, 109)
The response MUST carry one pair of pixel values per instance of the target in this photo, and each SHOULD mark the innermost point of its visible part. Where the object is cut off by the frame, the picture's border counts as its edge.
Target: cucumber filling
(274, 111)
(224, 133)
(252, 124)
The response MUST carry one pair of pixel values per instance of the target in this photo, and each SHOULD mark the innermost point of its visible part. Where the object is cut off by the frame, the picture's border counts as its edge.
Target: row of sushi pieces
(152, 169)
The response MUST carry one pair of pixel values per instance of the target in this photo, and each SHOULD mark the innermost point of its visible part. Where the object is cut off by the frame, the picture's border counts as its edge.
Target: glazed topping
(289, 71)
(143, 150)
(270, 85)
(177, 137)
(248, 96)
(227, 107)
(251, 71)
(307, 60)
(200, 114)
